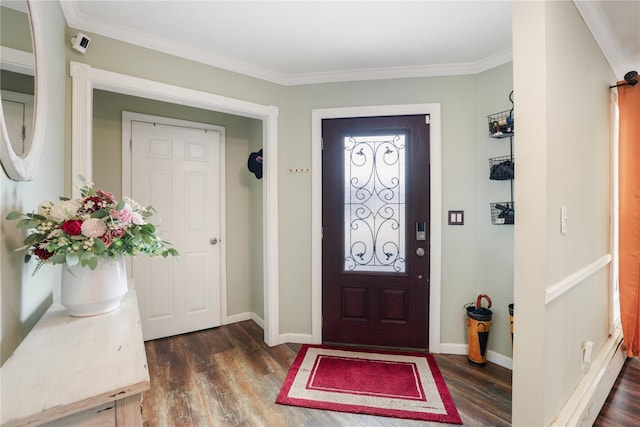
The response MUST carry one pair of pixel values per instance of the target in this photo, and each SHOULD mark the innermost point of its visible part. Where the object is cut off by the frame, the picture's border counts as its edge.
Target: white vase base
(85, 292)
(88, 310)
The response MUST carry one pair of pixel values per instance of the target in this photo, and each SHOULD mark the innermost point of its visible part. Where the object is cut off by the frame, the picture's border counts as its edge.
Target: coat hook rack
(631, 79)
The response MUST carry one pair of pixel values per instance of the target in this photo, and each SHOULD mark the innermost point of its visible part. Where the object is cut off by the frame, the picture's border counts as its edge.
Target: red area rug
(391, 384)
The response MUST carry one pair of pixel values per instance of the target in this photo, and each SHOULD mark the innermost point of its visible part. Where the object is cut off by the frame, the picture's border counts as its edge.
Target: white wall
(24, 298)
(562, 101)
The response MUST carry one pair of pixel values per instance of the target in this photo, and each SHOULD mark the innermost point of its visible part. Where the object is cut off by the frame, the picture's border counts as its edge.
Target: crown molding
(76, 19)
(596, 21)
(404, 72)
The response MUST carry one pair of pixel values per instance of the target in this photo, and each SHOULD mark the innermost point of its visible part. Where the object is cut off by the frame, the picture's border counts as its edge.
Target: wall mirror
(23, 88)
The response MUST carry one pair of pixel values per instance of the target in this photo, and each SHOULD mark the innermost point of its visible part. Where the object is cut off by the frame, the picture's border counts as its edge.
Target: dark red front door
(375, 247)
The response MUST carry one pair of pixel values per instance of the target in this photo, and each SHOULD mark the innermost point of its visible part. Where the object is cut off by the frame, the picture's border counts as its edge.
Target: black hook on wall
(631, 79)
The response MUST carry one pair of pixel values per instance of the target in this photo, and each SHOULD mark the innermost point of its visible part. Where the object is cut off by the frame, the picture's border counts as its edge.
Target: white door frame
(435, 239)
(86, 78)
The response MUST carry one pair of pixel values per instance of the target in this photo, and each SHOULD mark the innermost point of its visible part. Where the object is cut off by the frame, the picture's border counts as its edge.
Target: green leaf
(33, 238)
(64, 198)
(72, 259)
(36, 216)
(99, 214)
(13, 215)
(120, 205)
(93, 263)
(58, 258)
(98, 246)
(26, 224)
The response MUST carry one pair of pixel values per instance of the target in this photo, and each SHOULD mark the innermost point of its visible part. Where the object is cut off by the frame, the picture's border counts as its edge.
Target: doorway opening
(85, 79)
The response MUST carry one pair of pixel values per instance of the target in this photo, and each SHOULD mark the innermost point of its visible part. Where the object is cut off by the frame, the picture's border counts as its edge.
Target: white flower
(45, 208)
(93, 227)
(65, 209)
(137, 219)
(134, 205)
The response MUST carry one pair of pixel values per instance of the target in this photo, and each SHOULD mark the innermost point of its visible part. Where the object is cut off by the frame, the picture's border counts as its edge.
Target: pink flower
(106, 195)
(94, 227)
(107, 238)
(124, 215)
(137, 218)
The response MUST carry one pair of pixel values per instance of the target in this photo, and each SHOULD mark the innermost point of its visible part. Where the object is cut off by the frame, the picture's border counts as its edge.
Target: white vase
(86, 292)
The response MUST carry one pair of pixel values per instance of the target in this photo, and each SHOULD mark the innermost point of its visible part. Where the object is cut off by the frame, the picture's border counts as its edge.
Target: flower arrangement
(82, 231)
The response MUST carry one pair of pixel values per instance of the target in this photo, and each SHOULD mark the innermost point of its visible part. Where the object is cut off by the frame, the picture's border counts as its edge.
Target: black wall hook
(631, 79)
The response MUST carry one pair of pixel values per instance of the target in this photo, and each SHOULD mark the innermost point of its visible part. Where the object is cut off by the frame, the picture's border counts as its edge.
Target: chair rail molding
(564, 285)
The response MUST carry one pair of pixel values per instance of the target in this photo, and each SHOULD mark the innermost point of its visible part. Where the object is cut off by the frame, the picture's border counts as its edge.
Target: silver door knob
(213, 241)
(420, 251)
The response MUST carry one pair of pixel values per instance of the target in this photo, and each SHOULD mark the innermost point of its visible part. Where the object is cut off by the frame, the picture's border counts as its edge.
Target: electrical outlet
(587, 350)
(564, 220)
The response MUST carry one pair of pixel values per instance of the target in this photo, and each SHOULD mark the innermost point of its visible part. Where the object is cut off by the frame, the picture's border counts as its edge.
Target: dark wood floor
(229, 377)
(622, 408)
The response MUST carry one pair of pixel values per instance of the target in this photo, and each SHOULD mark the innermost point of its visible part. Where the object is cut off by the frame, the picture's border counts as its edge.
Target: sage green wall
(15, 30)
(23, 297)
(241, 209)
(562, 148)
(493, 251)
(458, 98)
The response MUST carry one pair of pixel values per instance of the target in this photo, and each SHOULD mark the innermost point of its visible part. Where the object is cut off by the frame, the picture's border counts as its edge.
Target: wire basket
(501, 125)
(502, 168)
(503, 213)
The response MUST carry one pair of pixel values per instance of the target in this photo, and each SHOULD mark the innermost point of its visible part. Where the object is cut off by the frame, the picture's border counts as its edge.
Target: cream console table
(85, 371)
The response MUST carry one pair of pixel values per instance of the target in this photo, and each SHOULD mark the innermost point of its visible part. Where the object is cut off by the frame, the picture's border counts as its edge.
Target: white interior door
(18, 116)
(178, 170)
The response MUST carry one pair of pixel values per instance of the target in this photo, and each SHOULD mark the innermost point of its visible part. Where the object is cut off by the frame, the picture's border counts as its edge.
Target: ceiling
(300, 42)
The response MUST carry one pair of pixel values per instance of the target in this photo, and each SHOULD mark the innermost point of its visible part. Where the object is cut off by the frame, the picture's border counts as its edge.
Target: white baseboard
(584, 404)
(296, 338)
(492, 356)
(241, 317)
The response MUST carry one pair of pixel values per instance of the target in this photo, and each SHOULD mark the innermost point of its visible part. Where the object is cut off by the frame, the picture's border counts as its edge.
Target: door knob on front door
(420, 251)
(213, 241)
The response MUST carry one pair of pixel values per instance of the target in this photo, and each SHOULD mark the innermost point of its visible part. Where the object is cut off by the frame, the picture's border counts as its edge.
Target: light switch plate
(456, 217)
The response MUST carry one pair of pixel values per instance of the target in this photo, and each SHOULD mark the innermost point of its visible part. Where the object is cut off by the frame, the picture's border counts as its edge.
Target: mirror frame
(25, 168)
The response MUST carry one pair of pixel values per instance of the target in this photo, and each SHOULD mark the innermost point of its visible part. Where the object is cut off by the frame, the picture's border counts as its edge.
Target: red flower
(72, 227)
(91, 204)
(42, 253)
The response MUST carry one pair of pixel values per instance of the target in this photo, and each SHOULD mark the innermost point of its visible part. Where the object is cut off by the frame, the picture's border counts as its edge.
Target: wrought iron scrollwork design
(374, 203)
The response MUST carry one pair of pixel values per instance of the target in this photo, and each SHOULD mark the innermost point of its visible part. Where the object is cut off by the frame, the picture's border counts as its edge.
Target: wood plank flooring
(622, 407)
(228, 376)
